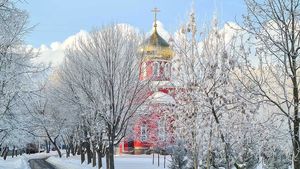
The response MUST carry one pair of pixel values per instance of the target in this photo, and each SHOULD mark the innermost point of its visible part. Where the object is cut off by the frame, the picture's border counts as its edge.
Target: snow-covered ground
(121, 162)
(73, 162)
(21, 162)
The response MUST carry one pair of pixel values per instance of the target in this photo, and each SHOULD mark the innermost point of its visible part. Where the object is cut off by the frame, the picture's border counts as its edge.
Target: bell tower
(156, 65)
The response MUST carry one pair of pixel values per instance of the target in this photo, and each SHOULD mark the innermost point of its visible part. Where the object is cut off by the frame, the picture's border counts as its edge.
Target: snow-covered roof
(161, 98)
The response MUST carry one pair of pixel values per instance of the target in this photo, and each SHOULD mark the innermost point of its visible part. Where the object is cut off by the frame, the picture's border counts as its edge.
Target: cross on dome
(155, 11)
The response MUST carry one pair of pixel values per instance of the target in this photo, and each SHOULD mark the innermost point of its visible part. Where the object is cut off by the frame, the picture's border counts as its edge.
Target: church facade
(153, 129)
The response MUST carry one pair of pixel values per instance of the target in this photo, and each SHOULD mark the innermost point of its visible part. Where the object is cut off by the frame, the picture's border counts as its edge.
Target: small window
(143, 132)
(167, 70)
(155, 68)
(161, 129)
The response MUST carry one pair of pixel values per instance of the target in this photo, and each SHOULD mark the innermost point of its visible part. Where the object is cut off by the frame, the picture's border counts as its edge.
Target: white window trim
(156, 72)
(162, 129)
(144, 70)
(167, 70)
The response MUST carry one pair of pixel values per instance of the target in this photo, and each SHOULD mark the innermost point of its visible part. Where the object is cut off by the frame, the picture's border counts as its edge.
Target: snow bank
(73, 162)
(19, 162)
(40, 155)
(121, 162)
(67, 163)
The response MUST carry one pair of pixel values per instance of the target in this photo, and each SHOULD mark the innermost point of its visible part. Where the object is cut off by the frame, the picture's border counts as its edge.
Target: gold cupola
(156, 47)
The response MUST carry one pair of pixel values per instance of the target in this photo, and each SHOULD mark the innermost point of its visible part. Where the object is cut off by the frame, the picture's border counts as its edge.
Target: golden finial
(155, 11)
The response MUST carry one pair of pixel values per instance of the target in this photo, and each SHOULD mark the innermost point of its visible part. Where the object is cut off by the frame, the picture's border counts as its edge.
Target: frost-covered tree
(45, 121)
(274, 26)
(17, 69)
(179, 157)
(212, 104)
(275, 159)
(102, 72)
(84, 130)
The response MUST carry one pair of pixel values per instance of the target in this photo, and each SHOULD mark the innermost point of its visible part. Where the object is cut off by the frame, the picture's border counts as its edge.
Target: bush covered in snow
(276, 159)
(179, 157)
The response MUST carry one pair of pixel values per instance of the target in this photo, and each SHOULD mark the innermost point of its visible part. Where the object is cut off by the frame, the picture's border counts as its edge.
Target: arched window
(143, 132)
(155, 69)
(144, 70)
(161, 127)
(167, 70)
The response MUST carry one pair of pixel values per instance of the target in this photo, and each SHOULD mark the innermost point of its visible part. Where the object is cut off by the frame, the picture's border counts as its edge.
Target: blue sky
(56, 20)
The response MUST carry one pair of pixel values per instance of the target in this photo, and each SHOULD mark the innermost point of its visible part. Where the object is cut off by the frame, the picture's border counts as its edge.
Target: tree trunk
(226, 145)
(6, 152)
(71, 145)
(3, 151)
(164, 161)
(78, 149)
(158, 159)
(111, 156)
(107, 159)
(94, 157)
(75, 150)
(99, 153)
(81, 153)
(57, 149)
(67, 146)
(47, 147)
(13, 152)
(153, 157)
(67, 151)
(53, 141)
(296, 141)
(296, 146)
(89, 153)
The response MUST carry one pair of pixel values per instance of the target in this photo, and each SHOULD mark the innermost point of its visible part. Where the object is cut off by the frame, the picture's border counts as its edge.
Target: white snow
(73, 162)
(260, 166)
(19, 162)
(163, 98)
(121, 162)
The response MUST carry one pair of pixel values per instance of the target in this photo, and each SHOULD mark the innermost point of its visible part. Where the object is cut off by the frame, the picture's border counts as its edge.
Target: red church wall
(151, 121)
(151, 118)
(149, 71)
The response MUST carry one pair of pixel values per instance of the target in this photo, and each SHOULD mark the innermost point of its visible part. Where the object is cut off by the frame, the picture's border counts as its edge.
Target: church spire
(155, 11)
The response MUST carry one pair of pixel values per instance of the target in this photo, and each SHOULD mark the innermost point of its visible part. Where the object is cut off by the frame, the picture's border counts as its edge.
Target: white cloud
(54, 54)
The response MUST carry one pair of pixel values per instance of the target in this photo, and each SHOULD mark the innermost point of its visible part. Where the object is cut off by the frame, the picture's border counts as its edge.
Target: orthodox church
(153, 129)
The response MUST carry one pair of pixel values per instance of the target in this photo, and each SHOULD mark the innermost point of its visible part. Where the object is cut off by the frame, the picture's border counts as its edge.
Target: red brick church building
(153, 129)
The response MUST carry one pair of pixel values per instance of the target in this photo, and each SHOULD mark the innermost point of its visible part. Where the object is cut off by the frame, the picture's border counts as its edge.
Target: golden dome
(155, 47)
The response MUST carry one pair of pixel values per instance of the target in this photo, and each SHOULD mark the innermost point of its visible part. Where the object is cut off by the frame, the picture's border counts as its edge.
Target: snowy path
(40, 164)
